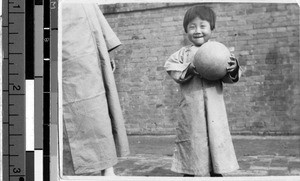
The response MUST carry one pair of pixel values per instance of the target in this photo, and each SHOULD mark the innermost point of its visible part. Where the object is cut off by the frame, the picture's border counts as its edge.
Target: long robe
(92, 114)
(203, 142)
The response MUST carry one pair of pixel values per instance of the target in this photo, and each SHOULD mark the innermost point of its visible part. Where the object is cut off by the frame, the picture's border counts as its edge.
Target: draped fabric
(93, 120)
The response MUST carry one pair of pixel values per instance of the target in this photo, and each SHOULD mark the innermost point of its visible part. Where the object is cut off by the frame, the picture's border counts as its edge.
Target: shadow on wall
(273, 101)
(274, 56)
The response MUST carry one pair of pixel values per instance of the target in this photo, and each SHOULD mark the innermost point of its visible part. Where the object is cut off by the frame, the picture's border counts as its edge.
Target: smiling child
(203, 144)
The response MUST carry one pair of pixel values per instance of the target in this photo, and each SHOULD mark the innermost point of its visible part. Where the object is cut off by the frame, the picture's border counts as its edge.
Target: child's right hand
(192, 69)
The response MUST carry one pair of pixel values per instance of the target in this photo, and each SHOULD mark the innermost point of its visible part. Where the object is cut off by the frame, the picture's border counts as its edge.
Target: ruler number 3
(52, 5)
(16, 170)
(46, 40)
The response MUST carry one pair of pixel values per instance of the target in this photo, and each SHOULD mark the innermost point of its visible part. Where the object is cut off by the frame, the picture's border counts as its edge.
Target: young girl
(203, 144)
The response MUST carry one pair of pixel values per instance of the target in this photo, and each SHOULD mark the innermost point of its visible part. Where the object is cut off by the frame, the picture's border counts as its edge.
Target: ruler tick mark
(16, 94)
(16, 12)
(13, 74)
(15, 53)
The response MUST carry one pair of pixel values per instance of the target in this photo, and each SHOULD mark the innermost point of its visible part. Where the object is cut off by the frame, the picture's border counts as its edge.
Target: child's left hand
(232, 64)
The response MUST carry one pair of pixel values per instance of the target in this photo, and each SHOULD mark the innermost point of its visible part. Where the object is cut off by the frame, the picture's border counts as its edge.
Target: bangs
(203, 13)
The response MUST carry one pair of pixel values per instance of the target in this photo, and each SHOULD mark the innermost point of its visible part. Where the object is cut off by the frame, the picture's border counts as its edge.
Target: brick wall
(265, 38)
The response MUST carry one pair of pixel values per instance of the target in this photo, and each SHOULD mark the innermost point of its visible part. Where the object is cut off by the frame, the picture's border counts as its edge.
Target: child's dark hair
(204, 13)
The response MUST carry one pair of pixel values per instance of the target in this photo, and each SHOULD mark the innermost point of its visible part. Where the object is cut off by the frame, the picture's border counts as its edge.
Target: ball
(211, 60)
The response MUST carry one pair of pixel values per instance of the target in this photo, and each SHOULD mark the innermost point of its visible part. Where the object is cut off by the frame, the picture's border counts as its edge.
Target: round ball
(211, 60)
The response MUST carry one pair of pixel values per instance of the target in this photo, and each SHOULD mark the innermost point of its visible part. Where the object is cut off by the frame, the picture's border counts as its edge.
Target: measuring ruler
(28, 61)
(13, 26)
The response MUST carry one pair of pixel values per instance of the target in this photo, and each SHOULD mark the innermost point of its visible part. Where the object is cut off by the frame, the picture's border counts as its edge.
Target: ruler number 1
(18, 6)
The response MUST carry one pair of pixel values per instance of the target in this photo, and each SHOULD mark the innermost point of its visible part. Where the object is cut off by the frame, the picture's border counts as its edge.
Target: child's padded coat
(203, 141)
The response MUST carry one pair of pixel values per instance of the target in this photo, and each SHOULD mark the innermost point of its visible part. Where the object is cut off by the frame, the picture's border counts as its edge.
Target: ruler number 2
(16, 87)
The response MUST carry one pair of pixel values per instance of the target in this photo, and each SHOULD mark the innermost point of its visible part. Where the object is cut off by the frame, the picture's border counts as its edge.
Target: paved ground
(257, 156)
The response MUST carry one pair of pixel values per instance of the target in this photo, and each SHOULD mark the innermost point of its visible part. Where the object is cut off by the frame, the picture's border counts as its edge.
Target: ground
(257, 156)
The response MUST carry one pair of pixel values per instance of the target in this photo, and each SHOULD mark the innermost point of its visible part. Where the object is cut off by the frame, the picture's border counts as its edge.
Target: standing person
(94, 127)
(203, 145)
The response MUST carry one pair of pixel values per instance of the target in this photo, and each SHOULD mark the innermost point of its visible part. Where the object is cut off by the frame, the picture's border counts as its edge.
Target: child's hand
(193, 69)
(232, 64)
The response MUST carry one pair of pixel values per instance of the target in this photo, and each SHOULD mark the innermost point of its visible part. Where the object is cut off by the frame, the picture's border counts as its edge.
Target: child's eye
(192, 26)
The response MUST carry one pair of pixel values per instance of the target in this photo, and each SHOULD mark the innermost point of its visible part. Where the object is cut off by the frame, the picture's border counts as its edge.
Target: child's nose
(198, 30)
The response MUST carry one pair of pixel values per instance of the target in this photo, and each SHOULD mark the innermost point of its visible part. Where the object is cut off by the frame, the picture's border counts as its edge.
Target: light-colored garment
(203, 142)
(92, 113)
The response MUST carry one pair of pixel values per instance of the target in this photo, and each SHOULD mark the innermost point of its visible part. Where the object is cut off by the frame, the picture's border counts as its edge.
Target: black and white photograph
(175, 90)
(181, 89)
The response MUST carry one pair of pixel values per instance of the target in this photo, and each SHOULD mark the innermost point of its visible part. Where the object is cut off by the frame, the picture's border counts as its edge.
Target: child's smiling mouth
(198, 36)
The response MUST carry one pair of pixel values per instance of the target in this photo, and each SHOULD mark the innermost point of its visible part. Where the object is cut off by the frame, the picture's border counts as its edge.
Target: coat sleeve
(111, 39)
(177, 67)
(232, 79)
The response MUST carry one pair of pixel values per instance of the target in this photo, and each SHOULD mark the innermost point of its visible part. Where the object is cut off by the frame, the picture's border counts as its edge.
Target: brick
(281, 29)
(295, 172)
(262, 164)
(278, 172)
(293, 165)
(279, 162)
(267, 46)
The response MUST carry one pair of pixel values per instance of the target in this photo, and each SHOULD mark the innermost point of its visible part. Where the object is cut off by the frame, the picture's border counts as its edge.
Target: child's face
(198, 31)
